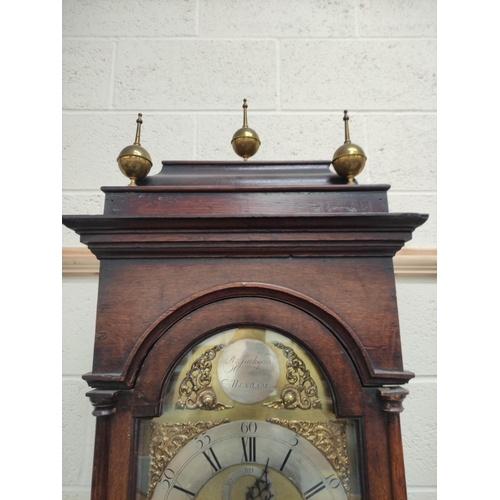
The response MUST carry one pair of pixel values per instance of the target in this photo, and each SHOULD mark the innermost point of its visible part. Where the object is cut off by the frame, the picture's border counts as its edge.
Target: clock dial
(249, 459)
(248, 414)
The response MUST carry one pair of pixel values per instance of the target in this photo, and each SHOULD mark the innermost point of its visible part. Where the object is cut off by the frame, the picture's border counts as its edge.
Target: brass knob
(246, 141)
(134, 161)
(349, 159)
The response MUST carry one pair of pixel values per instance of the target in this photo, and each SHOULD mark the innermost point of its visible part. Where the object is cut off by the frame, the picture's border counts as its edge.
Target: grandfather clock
(247, 341)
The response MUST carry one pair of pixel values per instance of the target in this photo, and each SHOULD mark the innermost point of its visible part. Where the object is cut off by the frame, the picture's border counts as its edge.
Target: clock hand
(260, 489)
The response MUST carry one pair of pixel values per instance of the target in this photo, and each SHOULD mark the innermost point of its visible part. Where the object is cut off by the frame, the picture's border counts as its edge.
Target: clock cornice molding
(414, 262)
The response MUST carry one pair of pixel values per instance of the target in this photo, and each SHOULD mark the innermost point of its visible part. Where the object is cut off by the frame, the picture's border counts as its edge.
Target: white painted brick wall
(187, 65)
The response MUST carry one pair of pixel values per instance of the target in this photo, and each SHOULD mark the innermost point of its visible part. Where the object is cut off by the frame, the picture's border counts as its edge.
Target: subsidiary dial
(249, 483)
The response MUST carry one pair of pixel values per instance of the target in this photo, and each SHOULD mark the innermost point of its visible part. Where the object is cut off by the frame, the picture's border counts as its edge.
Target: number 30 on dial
(247, 460)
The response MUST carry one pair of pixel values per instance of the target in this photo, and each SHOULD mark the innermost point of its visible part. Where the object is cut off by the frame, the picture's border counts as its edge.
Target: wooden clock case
(206, 246)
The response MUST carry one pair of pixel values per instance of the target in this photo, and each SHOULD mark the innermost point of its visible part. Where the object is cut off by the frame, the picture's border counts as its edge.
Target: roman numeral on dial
(190, 493)
(286, 459)
(212, 460)
(315, 489)
(249, 449)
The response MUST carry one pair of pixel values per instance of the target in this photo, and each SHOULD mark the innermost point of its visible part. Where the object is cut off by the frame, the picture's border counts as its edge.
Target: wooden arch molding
(257, 304)
(369, 375)
(252, 311)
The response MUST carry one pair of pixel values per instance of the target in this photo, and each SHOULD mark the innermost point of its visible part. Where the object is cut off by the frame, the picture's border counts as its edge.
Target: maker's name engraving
(238, 384)
(234, 363)
(248, 371)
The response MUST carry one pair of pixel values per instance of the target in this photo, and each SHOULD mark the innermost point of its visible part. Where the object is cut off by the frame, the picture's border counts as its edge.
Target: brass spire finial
(246, 141)
(349, 159)
(134, 161)
(346, 127)
(138, 131)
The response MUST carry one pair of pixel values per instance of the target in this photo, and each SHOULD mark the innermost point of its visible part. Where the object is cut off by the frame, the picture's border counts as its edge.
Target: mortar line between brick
(111, 94)
(195, 138)
(74, 378)
(424, 379)
(197, 18)
(271, 112)
(87, 458)
(356, 20)
(367, 139)
(411, 193)
(82, 192)
(422, 489)
(253, 39)
(70, 487)
(278, 75)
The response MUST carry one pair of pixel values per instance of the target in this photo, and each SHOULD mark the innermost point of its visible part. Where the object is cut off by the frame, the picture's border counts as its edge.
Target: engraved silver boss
(248, 371)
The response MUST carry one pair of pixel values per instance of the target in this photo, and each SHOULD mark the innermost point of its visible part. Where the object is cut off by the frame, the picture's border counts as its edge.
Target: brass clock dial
(228, 462)
(248, 414)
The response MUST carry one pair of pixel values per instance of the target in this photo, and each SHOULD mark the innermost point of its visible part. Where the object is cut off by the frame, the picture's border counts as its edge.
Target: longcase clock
(247, 341)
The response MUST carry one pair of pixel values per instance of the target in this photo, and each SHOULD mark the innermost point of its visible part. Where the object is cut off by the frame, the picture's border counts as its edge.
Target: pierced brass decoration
(167, 439)
(195, 390)
(329, 437)
(301, 390)
(349, 159)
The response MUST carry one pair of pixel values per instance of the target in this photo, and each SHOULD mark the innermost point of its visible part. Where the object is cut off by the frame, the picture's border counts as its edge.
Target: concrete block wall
(187, 65)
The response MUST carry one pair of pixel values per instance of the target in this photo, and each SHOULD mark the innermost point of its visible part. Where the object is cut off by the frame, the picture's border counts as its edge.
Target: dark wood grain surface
(205, 246)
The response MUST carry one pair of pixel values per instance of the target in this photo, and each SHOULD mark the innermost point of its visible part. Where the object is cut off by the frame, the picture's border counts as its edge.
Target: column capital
(392, 398)
(104, 401)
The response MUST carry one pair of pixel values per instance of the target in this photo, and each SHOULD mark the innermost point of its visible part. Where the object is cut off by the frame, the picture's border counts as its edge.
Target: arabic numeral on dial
(249, 443)
(249, 427)
(295, 440)
(333, 481)
(167, 476)
(203, 440)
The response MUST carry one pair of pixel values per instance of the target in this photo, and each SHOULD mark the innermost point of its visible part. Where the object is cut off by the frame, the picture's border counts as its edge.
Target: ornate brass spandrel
(167, 439)
(329, 437)
(301, 390)
(195, 390)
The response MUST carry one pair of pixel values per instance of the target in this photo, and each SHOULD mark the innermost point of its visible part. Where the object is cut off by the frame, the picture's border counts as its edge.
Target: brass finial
(138, 130)
(346, 127)
(349, 159)
(245, 117)
(134, 161)
(246, 141)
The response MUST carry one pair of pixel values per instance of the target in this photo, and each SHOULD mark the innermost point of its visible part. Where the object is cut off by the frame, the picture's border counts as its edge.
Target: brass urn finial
(134, 161)
(349, 159)
(246, 141)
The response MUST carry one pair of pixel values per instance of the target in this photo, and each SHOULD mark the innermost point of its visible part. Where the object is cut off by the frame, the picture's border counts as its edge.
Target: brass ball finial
(349, 159)
(246, 141)
(134, 161)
